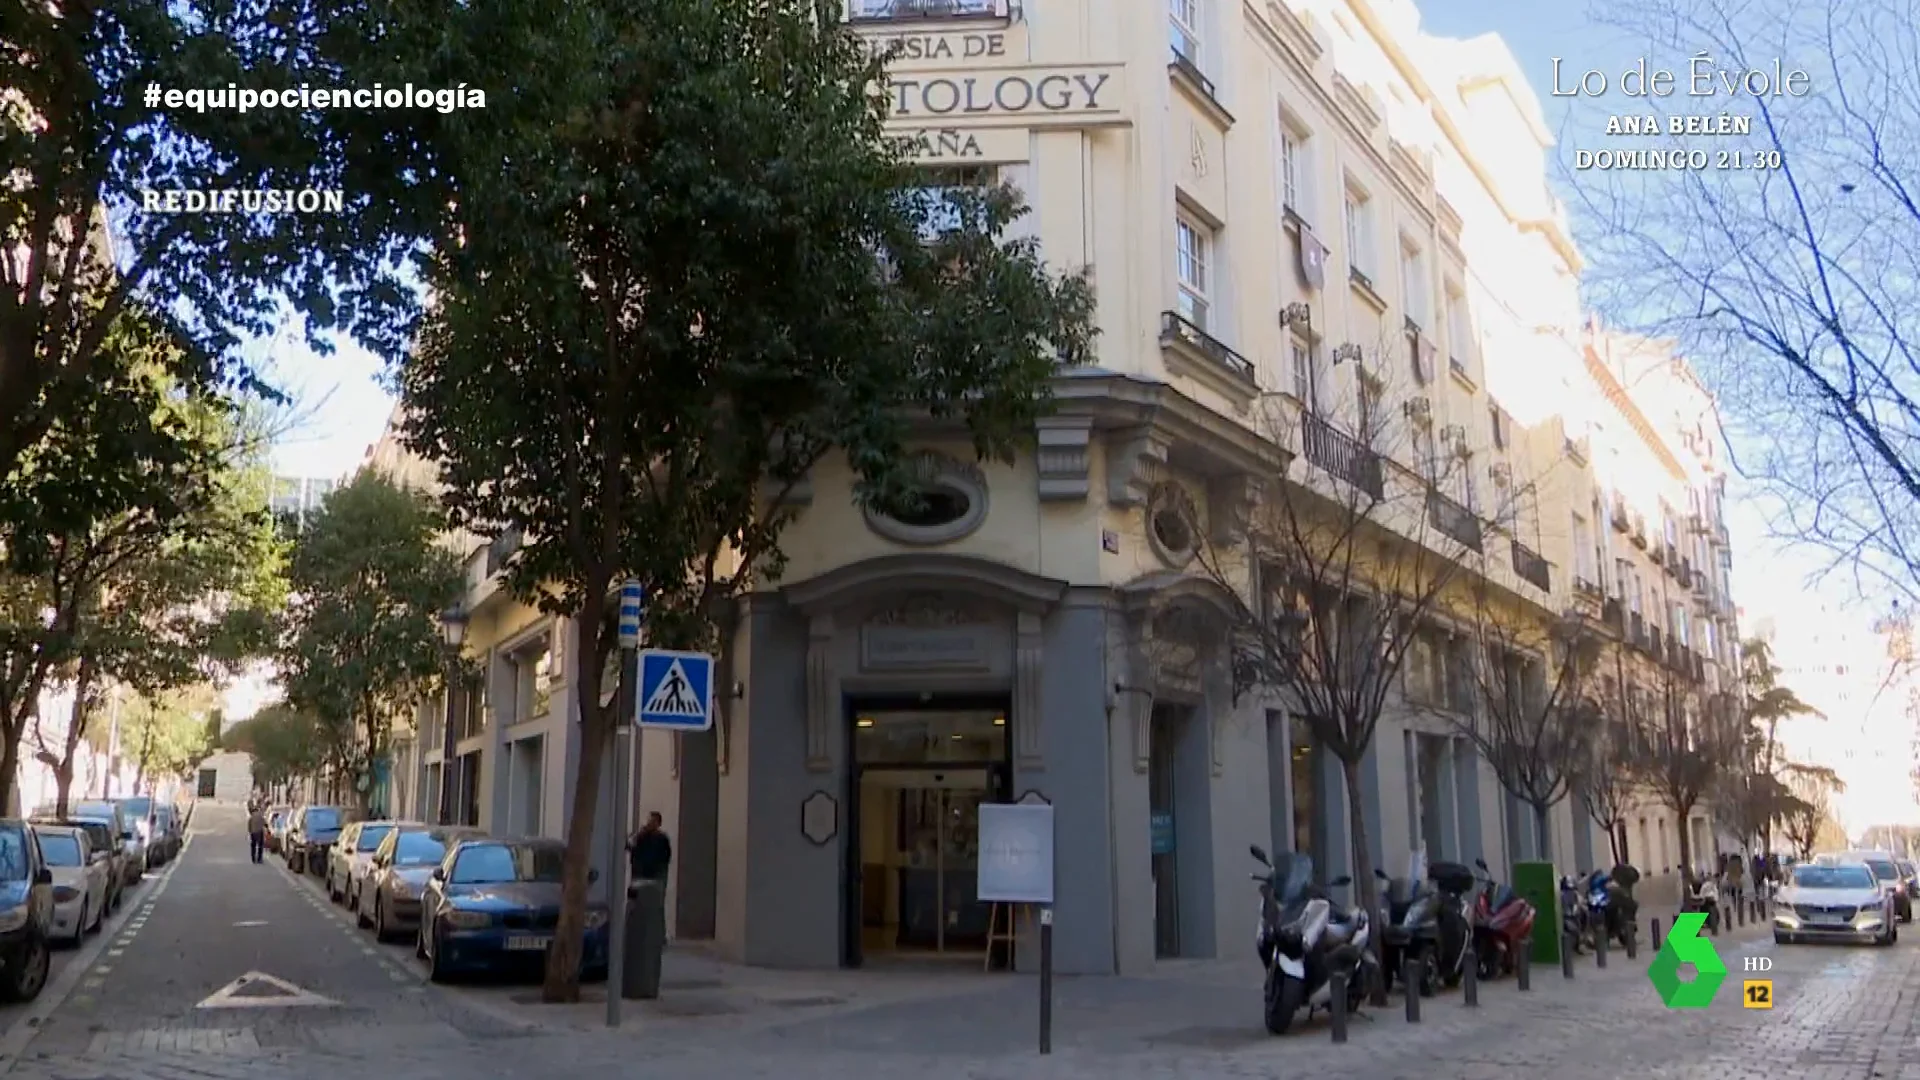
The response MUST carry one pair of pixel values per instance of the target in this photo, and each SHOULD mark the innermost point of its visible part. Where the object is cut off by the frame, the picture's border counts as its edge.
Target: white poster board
(1016, 853)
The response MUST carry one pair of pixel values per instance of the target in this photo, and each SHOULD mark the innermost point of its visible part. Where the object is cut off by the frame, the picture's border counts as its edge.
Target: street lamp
(453, 630)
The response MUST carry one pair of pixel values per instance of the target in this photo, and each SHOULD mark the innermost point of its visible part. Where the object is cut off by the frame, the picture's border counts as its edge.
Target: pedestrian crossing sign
(676, 690)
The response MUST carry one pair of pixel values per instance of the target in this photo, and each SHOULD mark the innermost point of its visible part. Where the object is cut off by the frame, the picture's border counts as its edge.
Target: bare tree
(1533, 723)
(1685, 742)
(1809, 813)
(1604, 784)
(1380, 516)
(1788, 278)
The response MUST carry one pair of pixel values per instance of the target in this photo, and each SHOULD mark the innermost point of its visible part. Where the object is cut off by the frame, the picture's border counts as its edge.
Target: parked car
(26, 913)
(166, 821)
(351, 854)
(396, 877)
(137, 812)
(102, 848)
(127, 845)
(311, 836)
(492, 905)
(1833, 899)
(80, 878)
(278, 818)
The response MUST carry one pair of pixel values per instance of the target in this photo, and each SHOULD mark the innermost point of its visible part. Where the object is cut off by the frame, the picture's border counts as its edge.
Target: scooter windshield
(1292, 876)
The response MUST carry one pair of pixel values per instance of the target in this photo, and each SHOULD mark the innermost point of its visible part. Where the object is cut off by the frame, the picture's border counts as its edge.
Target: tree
(84, 567)
(285, 743)
(1685, 743)
(1605, 782)
(166, 734)
(1774, 277)
(1809, 814)
(369, 580)
(1356, 550)
(642, 338)
(81, 144)
(1534, 727)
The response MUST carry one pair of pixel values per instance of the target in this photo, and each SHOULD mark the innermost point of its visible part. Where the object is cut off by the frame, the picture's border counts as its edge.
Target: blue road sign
(631, 600)
(676, 690)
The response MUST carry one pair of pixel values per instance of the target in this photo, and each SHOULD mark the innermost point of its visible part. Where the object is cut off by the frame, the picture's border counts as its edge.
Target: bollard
(1337, 1005)
(1600, 949)
(1740, 914)
(1470, 979)
(1633, 941)
(1566, 954)
(1523, 965)
(1410, 976)
(1718, 921)
(1377, 976)
(1655, 939)
(646, 939)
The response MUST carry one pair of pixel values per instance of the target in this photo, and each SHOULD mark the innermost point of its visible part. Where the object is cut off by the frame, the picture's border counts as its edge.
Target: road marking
(251, 922)
(116, 952)
(94, 983)
(103, 969)
(238, 994)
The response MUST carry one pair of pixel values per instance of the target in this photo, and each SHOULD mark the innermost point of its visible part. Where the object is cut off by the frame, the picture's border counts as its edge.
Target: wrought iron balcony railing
(1532, 567)
(1454, 520)
(1178, 330)
(1342, 456)
(1637, 629)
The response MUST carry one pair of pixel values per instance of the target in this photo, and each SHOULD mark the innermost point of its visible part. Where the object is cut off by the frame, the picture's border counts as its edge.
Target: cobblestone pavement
(1839, 1013)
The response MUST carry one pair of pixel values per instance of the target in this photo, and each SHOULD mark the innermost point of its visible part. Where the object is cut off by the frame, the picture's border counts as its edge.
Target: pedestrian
(1736, 879)
(256, 833)
(650, 853)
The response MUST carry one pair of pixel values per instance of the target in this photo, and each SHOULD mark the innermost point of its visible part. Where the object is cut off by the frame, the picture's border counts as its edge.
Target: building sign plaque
(890, 647)
(1078, 95)
(964, 146)
(941, 48)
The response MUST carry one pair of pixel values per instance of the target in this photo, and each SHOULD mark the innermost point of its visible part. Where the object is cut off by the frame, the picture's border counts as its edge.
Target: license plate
(528, 942)
(1833, 919)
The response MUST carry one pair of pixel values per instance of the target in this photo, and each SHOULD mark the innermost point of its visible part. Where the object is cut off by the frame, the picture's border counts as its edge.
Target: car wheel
(436, 971)
(351, 897)
(420, 943)
(80, 926)
(25, 982)
(380, 932)
(360, 917)
(1781, 939)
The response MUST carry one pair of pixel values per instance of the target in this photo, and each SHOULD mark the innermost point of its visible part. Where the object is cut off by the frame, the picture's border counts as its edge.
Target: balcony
(1699, 667)
(1656, 643)
(1532, 567)
(1686, 571)
(903, 10)
(1673, 561)
(1639, 534)
(1204, 356)
(1655, 552)
(1677, 655)
(1622, 521)
(1614, 614)
(1637, 630)
(1455, 521)
(501, 549)
(1342, 457)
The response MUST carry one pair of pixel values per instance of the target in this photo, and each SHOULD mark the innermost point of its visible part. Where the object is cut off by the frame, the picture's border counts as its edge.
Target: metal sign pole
(624, 710)
(1046, 978)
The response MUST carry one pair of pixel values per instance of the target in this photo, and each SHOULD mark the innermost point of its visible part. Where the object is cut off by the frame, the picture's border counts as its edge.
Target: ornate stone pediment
(927, 611)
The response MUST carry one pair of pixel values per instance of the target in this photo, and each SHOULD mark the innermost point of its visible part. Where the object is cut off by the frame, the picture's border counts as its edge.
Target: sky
(343, 407)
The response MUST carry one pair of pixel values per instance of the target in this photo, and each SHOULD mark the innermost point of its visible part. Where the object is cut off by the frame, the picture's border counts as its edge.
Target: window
(934, 202)
(60, 849)
(1296, 168)
(1367, 401)
(1682, 628)
(1359, 214)
(372, 835)
(1413, 283)
(532, 668)
(1184, 28)
(1306, 377)
(1192, 244)
(1584, 553)
(1458, 330)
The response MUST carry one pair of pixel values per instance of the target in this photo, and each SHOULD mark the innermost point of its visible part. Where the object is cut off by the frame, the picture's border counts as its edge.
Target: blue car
(492, 906)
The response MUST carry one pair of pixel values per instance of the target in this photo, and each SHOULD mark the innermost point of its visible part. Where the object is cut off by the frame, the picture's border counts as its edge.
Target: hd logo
(1685, 946)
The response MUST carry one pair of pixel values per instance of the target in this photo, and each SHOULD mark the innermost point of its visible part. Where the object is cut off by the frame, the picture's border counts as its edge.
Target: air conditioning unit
(1419, 410)
(1454, 438)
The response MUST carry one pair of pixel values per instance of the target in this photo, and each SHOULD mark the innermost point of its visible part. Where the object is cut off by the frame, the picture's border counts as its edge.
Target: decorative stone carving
(1028, 711)
(1175, 643)
(819, 818)
(1230, 502)
(926, 610)
(1062, 457)
(1139, 705)
(1218, 690)
(1173, 524)
(1134, 464)
(822, 694)
(955, 482)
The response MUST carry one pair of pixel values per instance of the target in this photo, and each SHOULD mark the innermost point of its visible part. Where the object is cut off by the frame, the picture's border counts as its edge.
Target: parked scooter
(1303, 939)
(1576, 917)
(1703, 895)
(1502, 919)
(1455, 919)
(1622, 909)
(1412, 930)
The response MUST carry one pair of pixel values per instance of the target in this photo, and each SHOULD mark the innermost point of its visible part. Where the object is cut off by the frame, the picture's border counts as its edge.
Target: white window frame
(1304, 373)
(1415, 290)
(1584, 551)
(1459, 332)
(1358, 211)
(1193, 244)
(1297, 175)
(1183, 26)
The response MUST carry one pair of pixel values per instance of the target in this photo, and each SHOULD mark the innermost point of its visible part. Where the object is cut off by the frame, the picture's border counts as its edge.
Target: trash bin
(646, 940)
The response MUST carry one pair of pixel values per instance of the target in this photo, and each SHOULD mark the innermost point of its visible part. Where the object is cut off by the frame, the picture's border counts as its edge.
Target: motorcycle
(1502, 919)
(1455, 918)
(1412, 931)
(1704, 896)
(1303, 939)
(1576, 915)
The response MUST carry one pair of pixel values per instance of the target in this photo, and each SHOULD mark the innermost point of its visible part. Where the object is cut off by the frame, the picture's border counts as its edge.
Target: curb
(20, 1035)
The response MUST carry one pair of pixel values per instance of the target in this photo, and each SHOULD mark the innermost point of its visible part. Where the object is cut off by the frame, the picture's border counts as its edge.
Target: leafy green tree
(285, 743)
(165, 734)
(369, 580)
(644, 334)
(134, 554)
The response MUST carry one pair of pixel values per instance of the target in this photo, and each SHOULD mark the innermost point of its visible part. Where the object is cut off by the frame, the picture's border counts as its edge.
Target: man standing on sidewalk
(256, 832)
(650, 852)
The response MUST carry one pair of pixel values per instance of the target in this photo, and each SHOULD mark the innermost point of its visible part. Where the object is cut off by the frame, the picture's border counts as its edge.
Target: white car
(1833, 901)
(349, 858)
(79, 880)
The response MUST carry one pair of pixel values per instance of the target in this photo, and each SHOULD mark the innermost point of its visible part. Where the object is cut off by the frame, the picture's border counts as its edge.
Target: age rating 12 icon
(1756, 994)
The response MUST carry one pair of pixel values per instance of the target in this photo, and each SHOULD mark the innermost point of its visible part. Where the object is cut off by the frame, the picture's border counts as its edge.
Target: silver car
(397, 877)
(80, 880)
(350, 858)
(1833, 901)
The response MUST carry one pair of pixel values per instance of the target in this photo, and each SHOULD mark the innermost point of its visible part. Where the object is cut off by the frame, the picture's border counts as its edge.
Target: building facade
(295, 498)
(1326, 259)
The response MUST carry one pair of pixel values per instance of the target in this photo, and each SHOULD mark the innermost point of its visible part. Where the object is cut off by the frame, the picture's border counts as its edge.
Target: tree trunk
(1365, 890)
(76, 731)
(1542, 832)
(562, 983)
(1686, 835)
(9, 768)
